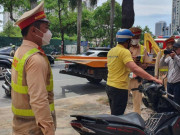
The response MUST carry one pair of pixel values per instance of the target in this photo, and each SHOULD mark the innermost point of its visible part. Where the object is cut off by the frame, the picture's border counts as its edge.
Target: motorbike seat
(130, 118)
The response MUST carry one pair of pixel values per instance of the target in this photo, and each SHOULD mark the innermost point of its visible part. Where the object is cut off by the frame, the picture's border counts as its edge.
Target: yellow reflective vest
(21, 90)
(142, 53)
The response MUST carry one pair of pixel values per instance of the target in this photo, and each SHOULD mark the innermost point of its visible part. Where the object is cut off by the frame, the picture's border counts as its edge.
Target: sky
(148, 12)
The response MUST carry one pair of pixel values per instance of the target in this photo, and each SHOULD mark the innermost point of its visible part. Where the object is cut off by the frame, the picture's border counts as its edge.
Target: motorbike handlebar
(163, 92)
(142, 87)
(147, 81)
(134, 89)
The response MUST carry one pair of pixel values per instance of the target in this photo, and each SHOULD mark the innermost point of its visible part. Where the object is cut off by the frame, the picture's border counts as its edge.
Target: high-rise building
(175, 24)
(160, 28)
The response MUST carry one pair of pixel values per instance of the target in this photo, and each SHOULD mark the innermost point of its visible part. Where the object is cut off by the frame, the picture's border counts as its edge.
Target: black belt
(175, 83)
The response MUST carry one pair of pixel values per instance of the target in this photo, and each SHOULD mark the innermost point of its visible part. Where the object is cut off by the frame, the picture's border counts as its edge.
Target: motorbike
(165, 119)
(7, 83)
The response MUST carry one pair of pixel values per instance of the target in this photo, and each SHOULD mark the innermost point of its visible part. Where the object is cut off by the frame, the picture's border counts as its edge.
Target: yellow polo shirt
(118, 73)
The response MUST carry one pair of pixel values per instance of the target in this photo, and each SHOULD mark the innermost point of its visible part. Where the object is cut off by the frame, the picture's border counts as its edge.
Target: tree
(79, 17)
(112, 22)
(102, 22)
(11, 31)
(145, 30)
(58, 10)
(78, 4)
(87, 24)
(11, 6)
(127, 14)
(33, 3)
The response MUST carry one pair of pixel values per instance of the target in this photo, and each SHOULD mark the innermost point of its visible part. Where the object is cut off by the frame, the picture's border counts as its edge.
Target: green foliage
(62, 20)
(10, 30)
(66, 37)
(87, 24)
(102, 21)
(73, 4)
(71, 38)
(13, 6)
(95, 22)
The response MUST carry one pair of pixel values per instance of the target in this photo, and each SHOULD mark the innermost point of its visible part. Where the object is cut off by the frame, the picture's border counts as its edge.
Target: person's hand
(134, 58)
(158, 81)
(172, 54)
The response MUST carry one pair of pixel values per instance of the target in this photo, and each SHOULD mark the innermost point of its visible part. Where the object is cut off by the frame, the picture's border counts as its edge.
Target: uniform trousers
(117, 100)
(136, 96)
(174, 89)
(162, 76)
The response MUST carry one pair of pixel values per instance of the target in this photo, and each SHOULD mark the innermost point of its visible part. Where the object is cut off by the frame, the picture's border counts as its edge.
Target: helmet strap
(128, 41)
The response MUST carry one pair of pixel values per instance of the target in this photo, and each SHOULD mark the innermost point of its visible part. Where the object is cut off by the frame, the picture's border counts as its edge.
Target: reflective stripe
(142, 53)
(24, 89)
(163, 70)
(50, 86)
(19, 67)
(123, 36)
(19, 88)
(28, 112)
(22, 62)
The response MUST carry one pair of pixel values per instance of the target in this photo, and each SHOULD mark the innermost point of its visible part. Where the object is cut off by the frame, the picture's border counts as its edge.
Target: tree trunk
(60, 26)
(62, 42)
(112, 22)
(33, 3)
(79, 26)
(11, 12)
(127, 14)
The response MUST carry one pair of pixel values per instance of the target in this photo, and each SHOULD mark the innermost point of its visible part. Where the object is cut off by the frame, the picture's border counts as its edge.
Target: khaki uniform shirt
(158, 73)
(136, 51)
(36, 72)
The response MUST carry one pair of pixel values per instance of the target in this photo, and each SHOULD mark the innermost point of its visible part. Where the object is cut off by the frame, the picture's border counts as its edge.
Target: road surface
(64, 86)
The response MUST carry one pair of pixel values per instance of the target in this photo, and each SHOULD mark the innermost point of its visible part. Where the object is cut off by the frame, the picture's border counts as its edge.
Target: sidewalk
(89, 104)
(85, 104)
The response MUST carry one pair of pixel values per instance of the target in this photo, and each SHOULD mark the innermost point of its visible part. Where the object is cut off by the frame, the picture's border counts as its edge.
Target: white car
(96, 52)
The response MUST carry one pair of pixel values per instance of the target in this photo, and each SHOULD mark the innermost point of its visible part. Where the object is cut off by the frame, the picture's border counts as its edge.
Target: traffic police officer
(161, 71)
(140, 57)
(32, 81)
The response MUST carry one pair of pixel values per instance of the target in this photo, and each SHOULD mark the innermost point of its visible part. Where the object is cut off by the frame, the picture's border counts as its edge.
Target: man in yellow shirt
(119, 63)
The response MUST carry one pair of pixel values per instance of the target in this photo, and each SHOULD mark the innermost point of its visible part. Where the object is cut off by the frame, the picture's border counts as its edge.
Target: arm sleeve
(164, 61)
(126, 57)
(177, 60)
(36, 74)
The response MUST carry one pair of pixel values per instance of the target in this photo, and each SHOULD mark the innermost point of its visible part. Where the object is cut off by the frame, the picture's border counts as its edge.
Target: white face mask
(46, 37)
(134, 41)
